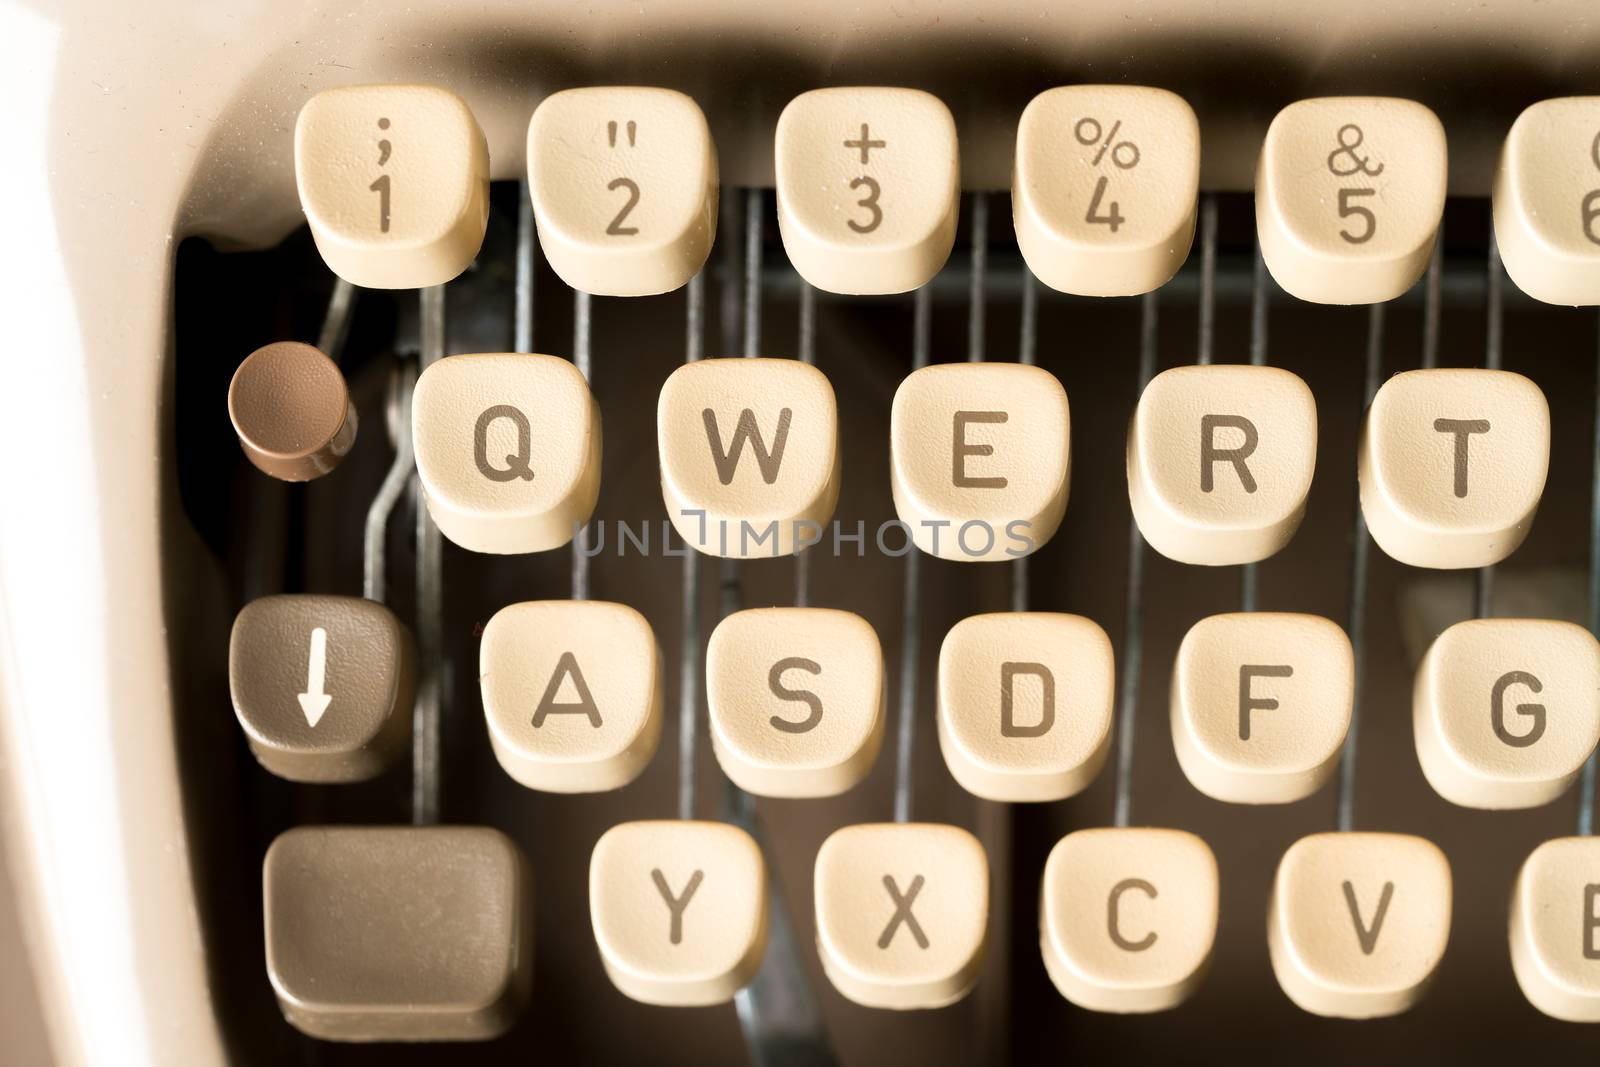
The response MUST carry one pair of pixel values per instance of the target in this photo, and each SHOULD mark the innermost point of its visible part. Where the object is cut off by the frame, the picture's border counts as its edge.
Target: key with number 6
(1349, 191)
(1547, 201)
(867, 187)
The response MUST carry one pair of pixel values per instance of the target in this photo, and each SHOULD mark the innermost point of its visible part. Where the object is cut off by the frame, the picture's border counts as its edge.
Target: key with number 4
(1103, 190)
(868, 187)
(1349, 192)
(394, 180)
(624, 187)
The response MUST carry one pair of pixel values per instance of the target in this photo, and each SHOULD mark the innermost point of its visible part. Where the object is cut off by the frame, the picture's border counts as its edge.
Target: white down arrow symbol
(314, 702)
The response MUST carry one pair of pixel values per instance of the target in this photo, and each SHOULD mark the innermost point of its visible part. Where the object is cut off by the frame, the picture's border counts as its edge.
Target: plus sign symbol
(866, 144)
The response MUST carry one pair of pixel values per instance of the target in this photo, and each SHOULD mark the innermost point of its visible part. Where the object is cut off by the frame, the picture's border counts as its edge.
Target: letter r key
(508, 450)
(1220, 460)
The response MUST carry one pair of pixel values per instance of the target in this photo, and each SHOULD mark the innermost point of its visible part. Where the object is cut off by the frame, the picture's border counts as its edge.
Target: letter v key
(1368, 935)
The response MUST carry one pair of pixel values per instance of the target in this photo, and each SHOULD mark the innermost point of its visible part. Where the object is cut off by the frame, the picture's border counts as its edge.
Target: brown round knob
(292, 411)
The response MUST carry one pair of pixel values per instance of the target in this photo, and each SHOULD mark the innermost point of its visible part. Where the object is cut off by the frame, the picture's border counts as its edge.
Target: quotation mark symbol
(611, 132)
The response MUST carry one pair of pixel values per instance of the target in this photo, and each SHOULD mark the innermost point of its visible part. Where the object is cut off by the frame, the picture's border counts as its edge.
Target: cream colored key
(624, 187)
(1103, 188)
(796, 700)
(867, 187)
(1025, 704)
(1127, 917)
(1452, 465)
(508, 450)
(1359, 922)
(902, 913)
(749, 455)
(1506, 711)
(394, 180)
(1555, 929)
(1547, 201)
(1349, 192)
(1261, 704)
(679, 910)
(1220, 460)
(571, 693)
(980, 458)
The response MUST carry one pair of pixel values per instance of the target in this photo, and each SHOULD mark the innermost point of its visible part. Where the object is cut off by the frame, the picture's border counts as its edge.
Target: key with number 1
(394, 180)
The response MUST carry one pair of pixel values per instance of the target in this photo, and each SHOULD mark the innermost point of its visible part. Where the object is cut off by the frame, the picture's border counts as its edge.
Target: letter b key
(508, 450)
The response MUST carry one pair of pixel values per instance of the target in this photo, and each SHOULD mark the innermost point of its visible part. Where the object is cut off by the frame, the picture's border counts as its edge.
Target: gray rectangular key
(398, 933)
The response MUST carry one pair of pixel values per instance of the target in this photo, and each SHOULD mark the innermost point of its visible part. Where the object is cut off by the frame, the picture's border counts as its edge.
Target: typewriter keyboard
(796, 634)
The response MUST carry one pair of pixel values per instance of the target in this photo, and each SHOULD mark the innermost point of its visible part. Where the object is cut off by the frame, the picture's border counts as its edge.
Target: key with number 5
(1349, 191)
(1547, 201)
(867, 187)
(623, 181)
(394, 180)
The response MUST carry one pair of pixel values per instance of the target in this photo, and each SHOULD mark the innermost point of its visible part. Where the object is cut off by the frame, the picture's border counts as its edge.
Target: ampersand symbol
(1350, 138)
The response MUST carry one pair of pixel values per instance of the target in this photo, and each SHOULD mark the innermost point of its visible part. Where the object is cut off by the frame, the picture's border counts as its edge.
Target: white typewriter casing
(130, 126)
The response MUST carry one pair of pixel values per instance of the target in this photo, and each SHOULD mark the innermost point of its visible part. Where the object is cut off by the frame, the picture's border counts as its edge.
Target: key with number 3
(867, 187)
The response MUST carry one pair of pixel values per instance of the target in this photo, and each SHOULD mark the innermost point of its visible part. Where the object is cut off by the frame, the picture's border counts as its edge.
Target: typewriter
(716, 533)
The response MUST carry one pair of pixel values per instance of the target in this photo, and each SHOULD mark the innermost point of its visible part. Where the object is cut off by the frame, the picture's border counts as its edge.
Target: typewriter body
(198, 884)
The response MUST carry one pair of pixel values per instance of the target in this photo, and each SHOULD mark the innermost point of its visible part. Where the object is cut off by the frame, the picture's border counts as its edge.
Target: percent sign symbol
(1125, 154)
